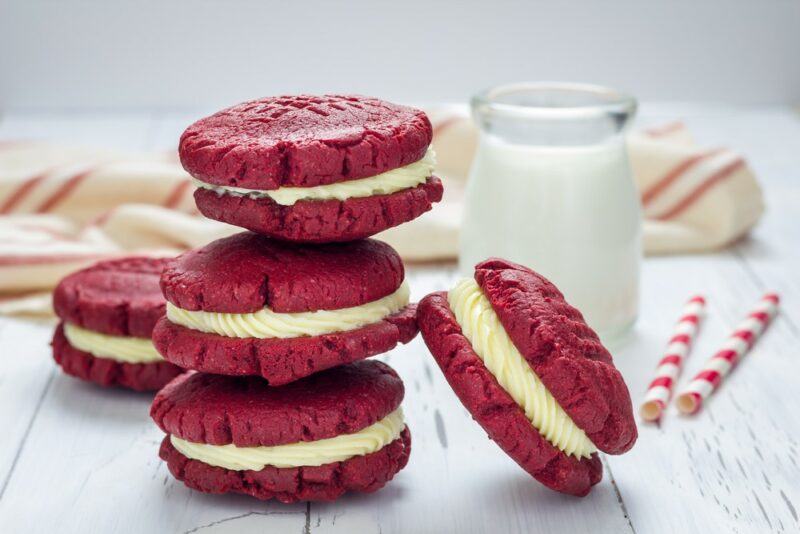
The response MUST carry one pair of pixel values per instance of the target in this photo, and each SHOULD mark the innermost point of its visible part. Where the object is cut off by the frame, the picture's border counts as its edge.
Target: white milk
(570, 213)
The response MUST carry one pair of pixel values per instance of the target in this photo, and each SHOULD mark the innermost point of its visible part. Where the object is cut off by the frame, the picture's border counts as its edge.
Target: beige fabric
(62, 208)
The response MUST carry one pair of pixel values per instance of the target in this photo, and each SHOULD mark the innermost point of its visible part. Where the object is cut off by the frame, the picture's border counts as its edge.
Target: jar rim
(553, 100)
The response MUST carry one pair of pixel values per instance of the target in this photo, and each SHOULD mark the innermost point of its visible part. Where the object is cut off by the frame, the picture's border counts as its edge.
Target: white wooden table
(77, 458)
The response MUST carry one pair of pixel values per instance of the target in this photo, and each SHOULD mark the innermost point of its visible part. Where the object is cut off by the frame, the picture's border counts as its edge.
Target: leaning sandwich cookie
(313, 168)
(251, 305)
(107, 314)
(531, 373)
(314, 439)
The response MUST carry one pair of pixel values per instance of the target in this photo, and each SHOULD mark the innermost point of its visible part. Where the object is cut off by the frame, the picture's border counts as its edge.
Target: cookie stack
(277, 321)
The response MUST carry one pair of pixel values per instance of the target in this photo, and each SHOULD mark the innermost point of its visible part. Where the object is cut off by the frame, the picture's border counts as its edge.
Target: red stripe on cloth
(671, 358)
(675, 173)
(63, 191)
(711, 376)
(727, 354)
(689, 319)
(773, 297)
(21, 192)
(661, 131)
(700, 190)
(698, 298)
(15, 260)
(680, 338)
(661, 381)
(101, 219)
(11, 143)
(760, 316)
(15, 296)
(177, 194)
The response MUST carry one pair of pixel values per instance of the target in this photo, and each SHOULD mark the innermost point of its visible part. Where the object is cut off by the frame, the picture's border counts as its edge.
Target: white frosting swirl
(300, 454)
(126, 349)
(266, 323)
(481, 326)
(388, 182)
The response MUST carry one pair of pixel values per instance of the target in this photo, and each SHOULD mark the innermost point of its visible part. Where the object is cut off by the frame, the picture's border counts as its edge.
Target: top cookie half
(313, 168)
(303, 141)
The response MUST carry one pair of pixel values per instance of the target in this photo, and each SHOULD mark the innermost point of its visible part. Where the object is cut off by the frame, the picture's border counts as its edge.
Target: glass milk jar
(551, 188)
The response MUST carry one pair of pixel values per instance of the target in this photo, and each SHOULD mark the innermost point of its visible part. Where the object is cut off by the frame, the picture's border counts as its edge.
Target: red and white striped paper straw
(669, 368)
(720, 364)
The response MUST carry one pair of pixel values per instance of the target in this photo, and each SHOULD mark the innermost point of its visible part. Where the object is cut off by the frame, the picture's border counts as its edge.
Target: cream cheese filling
(300, 454)
(481, 326)
(125, 349)
(392, 181)
(266, 323)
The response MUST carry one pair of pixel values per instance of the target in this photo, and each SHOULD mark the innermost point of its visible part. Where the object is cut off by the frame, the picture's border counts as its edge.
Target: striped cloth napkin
(63, 207)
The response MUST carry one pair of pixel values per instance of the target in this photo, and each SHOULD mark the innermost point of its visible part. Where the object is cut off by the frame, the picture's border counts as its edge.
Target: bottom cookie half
(107, 372)
(281, 361)
(363, 474)
(323, 221)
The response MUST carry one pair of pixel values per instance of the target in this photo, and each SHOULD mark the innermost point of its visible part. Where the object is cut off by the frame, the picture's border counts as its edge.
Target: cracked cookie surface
(303, 140)
(247, 412)
(117, 297)
(245, 272)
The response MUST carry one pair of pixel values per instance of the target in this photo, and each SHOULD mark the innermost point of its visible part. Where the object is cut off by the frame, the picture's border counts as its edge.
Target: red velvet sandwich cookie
(251, 305)
(107, 315)
(312, 440)
(531, 372)
(313, 168)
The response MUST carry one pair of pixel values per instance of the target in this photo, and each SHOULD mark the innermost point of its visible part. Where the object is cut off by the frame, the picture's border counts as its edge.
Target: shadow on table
(120, 407)
(527, 489)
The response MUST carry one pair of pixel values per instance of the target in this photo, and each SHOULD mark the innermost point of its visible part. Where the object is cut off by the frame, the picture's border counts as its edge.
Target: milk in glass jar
(551, 188)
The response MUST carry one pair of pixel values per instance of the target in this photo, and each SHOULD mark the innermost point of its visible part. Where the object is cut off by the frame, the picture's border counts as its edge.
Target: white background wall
(189, 53)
